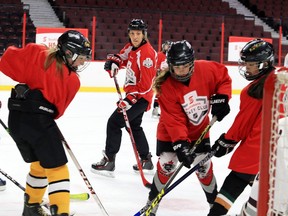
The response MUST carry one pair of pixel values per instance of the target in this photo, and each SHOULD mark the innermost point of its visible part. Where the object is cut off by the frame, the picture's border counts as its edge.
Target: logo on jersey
(195, 107)
(148, 63)
(130, 78)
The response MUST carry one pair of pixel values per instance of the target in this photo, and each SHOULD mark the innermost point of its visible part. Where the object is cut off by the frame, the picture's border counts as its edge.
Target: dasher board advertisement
(237, 43)
(49, 36)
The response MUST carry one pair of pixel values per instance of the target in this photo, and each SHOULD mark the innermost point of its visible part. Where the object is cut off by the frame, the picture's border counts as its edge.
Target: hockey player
(256, 62)
(49, 82)
(250, 207)
(185, 89)
(139, 58)
(2, 184)
(161, 64)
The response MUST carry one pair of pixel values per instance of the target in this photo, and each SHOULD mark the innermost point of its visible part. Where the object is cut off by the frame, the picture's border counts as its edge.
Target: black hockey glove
(223, 146)
(182, 149)
(220, 106)
(112, 63)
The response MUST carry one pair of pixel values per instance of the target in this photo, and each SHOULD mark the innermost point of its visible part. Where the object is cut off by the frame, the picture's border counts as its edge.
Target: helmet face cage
(71, 45)
(181, 53)
(260, 52)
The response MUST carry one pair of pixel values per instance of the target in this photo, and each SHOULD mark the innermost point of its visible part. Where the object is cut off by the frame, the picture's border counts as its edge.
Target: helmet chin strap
(71, 68)
(73, 58)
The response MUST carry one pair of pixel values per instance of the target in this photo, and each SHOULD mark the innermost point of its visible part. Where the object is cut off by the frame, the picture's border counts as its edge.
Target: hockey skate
(154, 210)
(33, 209)
(105, 167)
(147, 165)
(2, 184)
(155, 113)
(54, 210)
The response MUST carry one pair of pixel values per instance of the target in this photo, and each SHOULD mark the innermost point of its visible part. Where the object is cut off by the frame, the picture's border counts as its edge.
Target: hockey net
(273, 182)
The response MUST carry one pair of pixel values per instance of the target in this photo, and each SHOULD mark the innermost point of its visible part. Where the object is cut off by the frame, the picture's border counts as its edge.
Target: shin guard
(208, 181)
(59, 188)
(36, 183)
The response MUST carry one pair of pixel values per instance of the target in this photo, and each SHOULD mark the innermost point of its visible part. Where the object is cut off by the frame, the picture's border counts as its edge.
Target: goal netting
(273, 182)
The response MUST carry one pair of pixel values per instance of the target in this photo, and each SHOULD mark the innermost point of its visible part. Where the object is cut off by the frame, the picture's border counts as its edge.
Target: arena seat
(274, 14)
(11, 15)
(187, 19)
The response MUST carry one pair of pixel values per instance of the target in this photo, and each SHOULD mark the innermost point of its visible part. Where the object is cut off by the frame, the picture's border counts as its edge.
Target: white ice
(84, 127)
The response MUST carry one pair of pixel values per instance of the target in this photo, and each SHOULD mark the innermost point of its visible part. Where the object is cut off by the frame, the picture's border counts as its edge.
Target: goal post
(273, 181)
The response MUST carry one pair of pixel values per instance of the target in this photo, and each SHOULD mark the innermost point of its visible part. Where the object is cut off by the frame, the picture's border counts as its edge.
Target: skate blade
(106, 173)
(147, 172)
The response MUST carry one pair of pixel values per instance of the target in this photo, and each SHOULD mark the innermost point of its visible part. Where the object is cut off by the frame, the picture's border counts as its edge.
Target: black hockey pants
(114, 129)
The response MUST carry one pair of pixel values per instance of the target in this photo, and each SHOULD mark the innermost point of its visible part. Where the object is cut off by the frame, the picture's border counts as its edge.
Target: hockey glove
(182, 149)
(112, 64)
(223, 146)
(127, 102)
(220, 106)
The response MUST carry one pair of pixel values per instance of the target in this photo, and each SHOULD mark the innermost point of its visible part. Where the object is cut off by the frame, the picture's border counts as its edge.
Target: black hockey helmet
(137, 24)
(259, 51)
(71, 44)
(181, 53)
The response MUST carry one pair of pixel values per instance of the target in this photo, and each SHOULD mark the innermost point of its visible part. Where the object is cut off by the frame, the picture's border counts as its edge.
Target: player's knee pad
(205, 172)
(37, 170)
(166, 166)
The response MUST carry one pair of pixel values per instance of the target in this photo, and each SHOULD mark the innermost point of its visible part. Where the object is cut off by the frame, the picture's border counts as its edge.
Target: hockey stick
(177, 182)
(158, 198)
(5, 127)
(145, 182)
(80, 196)
(84, 177)
(11, 179)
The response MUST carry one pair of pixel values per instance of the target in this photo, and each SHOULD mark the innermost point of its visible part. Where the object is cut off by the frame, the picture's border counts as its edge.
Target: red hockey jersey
(140, 66)
(26, 65)
(161, 61)
(184, 109)
(247, 129)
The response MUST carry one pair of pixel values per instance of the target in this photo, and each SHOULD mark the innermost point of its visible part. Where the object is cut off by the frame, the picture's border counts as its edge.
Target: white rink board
(95, 76)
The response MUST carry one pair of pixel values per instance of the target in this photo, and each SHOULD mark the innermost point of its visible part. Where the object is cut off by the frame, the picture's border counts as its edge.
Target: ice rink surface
(84, 128)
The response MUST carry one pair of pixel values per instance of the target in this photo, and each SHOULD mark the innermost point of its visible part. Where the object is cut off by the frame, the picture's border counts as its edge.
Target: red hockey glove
(112, 64)
(220, 106)
(182, 149)
(127, 102)
(223, 146)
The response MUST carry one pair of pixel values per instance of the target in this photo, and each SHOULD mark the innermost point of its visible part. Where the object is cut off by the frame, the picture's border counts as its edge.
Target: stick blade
(80, 196)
